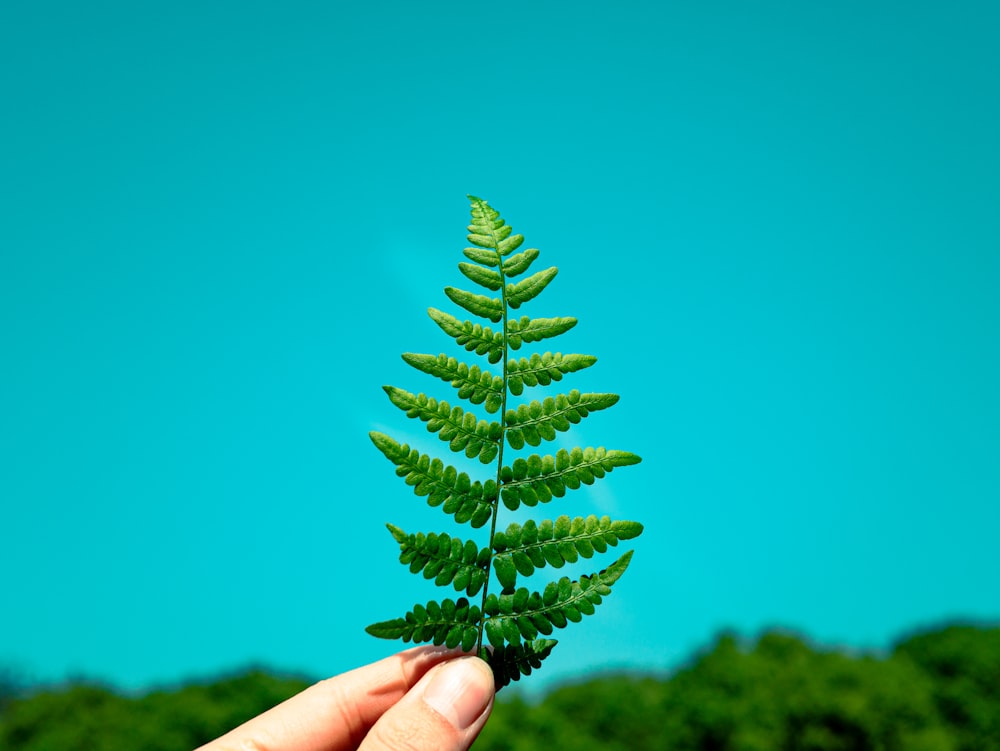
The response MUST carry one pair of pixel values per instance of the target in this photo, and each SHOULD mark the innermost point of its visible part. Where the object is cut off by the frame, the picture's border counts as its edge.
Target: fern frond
(512, 617)
(489, 230)
(483, 277)
(443, 558)
(543, 369)
(519, 263)
(478, 386)
(485, 257)
(512, 661)
(527, 330)
(449, 622)
(538, 479)
(461, 429)
(473, 336)
(530, 288)
(443, 486)
(478, 305)
(539, 420)
(522, 549)
(513, 620)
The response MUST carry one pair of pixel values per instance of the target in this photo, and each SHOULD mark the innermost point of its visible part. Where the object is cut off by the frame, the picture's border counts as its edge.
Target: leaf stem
(503, 430)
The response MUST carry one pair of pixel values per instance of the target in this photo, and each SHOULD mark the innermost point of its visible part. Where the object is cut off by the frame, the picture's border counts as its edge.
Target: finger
(335, 714)
(444, 712)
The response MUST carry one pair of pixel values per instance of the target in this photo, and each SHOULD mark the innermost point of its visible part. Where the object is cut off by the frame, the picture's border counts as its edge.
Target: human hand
(423, 699)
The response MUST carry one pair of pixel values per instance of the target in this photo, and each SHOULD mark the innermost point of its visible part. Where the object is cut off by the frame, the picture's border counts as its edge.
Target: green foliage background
(935, 691)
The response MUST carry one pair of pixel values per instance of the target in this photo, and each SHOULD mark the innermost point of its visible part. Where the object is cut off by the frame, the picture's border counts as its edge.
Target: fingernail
(460, 690)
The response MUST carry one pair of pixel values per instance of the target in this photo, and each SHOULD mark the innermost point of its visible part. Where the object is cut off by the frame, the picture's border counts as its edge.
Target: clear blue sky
(221, 223)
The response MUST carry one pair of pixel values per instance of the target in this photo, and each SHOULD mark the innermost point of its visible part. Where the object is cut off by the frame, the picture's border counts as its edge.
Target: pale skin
(423, 699)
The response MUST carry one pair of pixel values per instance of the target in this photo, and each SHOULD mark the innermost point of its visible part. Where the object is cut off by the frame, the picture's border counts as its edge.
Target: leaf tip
(614, 572)
(398, 534)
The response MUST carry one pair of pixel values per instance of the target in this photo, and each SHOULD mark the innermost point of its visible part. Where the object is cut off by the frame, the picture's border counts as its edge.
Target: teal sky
(221, 223)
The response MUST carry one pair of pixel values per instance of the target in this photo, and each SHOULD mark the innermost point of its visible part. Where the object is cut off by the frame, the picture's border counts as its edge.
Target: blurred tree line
(935, 691)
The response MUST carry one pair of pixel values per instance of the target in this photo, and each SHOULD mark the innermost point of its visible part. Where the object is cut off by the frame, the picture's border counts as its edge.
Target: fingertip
(461, 690)
(445, 710)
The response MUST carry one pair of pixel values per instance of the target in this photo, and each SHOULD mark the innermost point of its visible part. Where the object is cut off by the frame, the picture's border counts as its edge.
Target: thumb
(444, 711)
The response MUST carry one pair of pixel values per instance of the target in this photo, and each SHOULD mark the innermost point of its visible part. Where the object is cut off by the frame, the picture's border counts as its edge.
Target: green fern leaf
(478, 305)
(537, 421)
(530, 288)
(527, 330)
(443, 558)
(449, 622)
(485, 257)
(537, 479)
(522, 549)
(472, 336)
(488, 229)
(483, 277)
(543, 369)
(512, 661)
(443, 486)
(513, 620)
(518, 264)
(463, 432)
(475, 385)
(522, 614)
